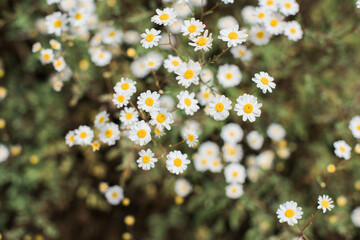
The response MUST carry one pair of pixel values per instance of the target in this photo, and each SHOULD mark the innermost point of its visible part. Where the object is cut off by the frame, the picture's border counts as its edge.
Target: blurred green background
(49, 191)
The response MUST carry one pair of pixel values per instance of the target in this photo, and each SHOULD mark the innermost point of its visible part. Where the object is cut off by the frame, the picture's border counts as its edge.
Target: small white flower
(233, 36)
(120, 99)
(228, 1)
(205, 95)
(84, 135)
(56, 45)
(276, 132)
(191, 138)
(227, 22)
(261, 14)
(151, 38)
(264, 81)
(177, 162)
(265, 159)
(342, 149)
(59, 64)
(255, 140)
(235, 173)
(354, 126)
(232, 152)
(358, 3)
(36, 47)
(232, 133)
(325, 203)
(215, 165)
(100, 119)
(146, 159)
(188, 102)
(192, 27)
(167, 102)
(289, 7)
(355, 216)
(140, 133)
(188, 73)
(248, 107)
(289, 212)
(111, 36)
(219, 107)
(153, 60)
(149, 101)
(109, 133)
(164, 17)
(182, 187)
(248, 14)
(100, 57)
(201, 162)
(47, 56)
(114, 195)
(55, 23)
(126, 86)
(229, 75)
(161, 118)
(209, 149)
(202, 42)
(172, 63)
(234, 190)
(293, 31)
(79, 17)
(128, 116)
(269, 4)
(259, 36)
(241, 52)
(4, 153)
(139, 68)
(275, 24)
(70, 138)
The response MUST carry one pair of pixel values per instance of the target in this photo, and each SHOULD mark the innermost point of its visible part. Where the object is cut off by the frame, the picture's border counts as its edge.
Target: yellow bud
(331, 168)
(323, 185)
(129, 220)
(357, 185)
(70, 44)
(2, 72)
(131, 52)
(84, 64)
(3, 92)
(341, 201)
(126, 202)
(39, 237)
(357, 148)
(34, 159)
(127, 236)
(333, 219)
(2, 123)
(283, 143)
(179, 200)
(15, 150)
(111, 3)
(103, 186)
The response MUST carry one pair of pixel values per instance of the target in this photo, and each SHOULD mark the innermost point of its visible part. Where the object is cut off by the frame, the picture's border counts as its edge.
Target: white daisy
(219, 107)
(248, 14)
(188, 73)
(207, 75)
(355, 216)
(140, 133)
(255, 140)
(202, 42)
(172, 63)
(354, 126)
(191, 138)
(264, 81)
(358, 3)
(176, 162)
(293, 31)
(149, 101)
(128, 116)
(234, 191)
(84, 135)
(146, 159)
(151, 38)
(109, 133)
(205, 95)
(59, 64)
(120, 99)
(289, 212)
(188, 102)
(215, 165)
(248, 107)
(232, 133)
(276, 132)
(269, 4)
(342, 149)
(114, 195)
(164, 17)
(70, 138)
(232, 152)
(192, 27)
(47, 56)
(125, 86)
(175, 27)
(233, 36)
(274, 24)
(325, 203)
(235, 173)
(259, 36)
(209, 149)
(138, 68)
(79, 17)
(100, 119)
(227, 22)
(159, 131)
(229, 75)
(261, 13)
(36, 47)
(288, 7)
(241, 52)
(167, 102)
(265, 159)
(111, 36)
(182, 187)
(182, 8)
(201, 162)
(4, 153)
(228, 1)
(161, 118)
(100, 57)
(95, 146)
(55, 23)
(56, 45)
(153, 60)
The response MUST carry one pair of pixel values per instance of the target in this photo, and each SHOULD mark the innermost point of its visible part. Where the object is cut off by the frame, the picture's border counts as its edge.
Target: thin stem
(131, 103)
(210, 10)
(218, 56)
(177, 52)
(177, 144)
(156, 79)
(201, 81)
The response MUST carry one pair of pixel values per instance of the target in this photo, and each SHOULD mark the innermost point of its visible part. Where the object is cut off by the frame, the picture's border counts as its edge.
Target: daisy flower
(289, 7)
(209, 149)
(215, 165)
(232, 152)
(161, 118)
(355, 216)
(140, 133)
(274, 24)
(109, 133)
(235, 173)
(219, 107)
(293, 31)
(138, 68)
(188, 73)
(241, 52)
(55, 23)
(342, 149)
(182, 187)
(47, 56)
(269, 4)
(229, 75)
(36, 47)
(70, 138)
(234, 191)
(114, 195)
(192, 27)
(151, 38)
(128, 116)
(265, 159)
(100, 119)
(232, 133)
(289, 212)
(227, 22)
(187, 102)
(264, 81)
(56, 45)
(354, 126)
(172, 63)
(276, 132)
(146, 159)
(164, 17)
(176, 162)
(203, 42)
(167, 102)
(95, 146)
(233, 36)
(111, 36)
(159, 131)
(79, 17)
(191, 138)
(59, 64)
(100, 57)
(125, 86)
(325, 203)
(84, 135)
(120, 99)
(259, 36)
(248, 107)
(153, 60)
(261, 13)
(201, 162)
(182, 8)
(205, 95)
(149, 101)
(255, 140)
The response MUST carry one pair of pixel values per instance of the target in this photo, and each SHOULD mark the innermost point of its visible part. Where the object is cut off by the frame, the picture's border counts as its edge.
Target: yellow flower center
(219, 107)
(157, 131)
(261, 15)
(233, 190)
(270, 2)
(274, 22)
(177, 162)
(201, 41)
(216, 163)
(232, 153)
(57, 23)
(192, 28)
(111, 34)
(160, 118)
(151, 63)
(287, 5)
(293, 30)
(289, 213)
(146, 159)
(175, 63)
(101, 55)
(78, 16)
(235, 174)
(54, 45)
(71, 139)
(191, 137)
(325, 203)
(232, 134)
(233, 35)
(150, 37)
(241, 53)
(206, 94)
(248, 108)
(228, 75)
(149, 101)
(101, 119)
(260, 35)
(342, 149)
(109, 133)
(114, 194)
(164, 17)
(204, 161)
(189, 74)
(264, 81)
(141, 133)
(83, 135)
(128, 116)
(358, 127)
(125, 86)
(187, 102)
(58, 63)
(120, 98)
(46, 56)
